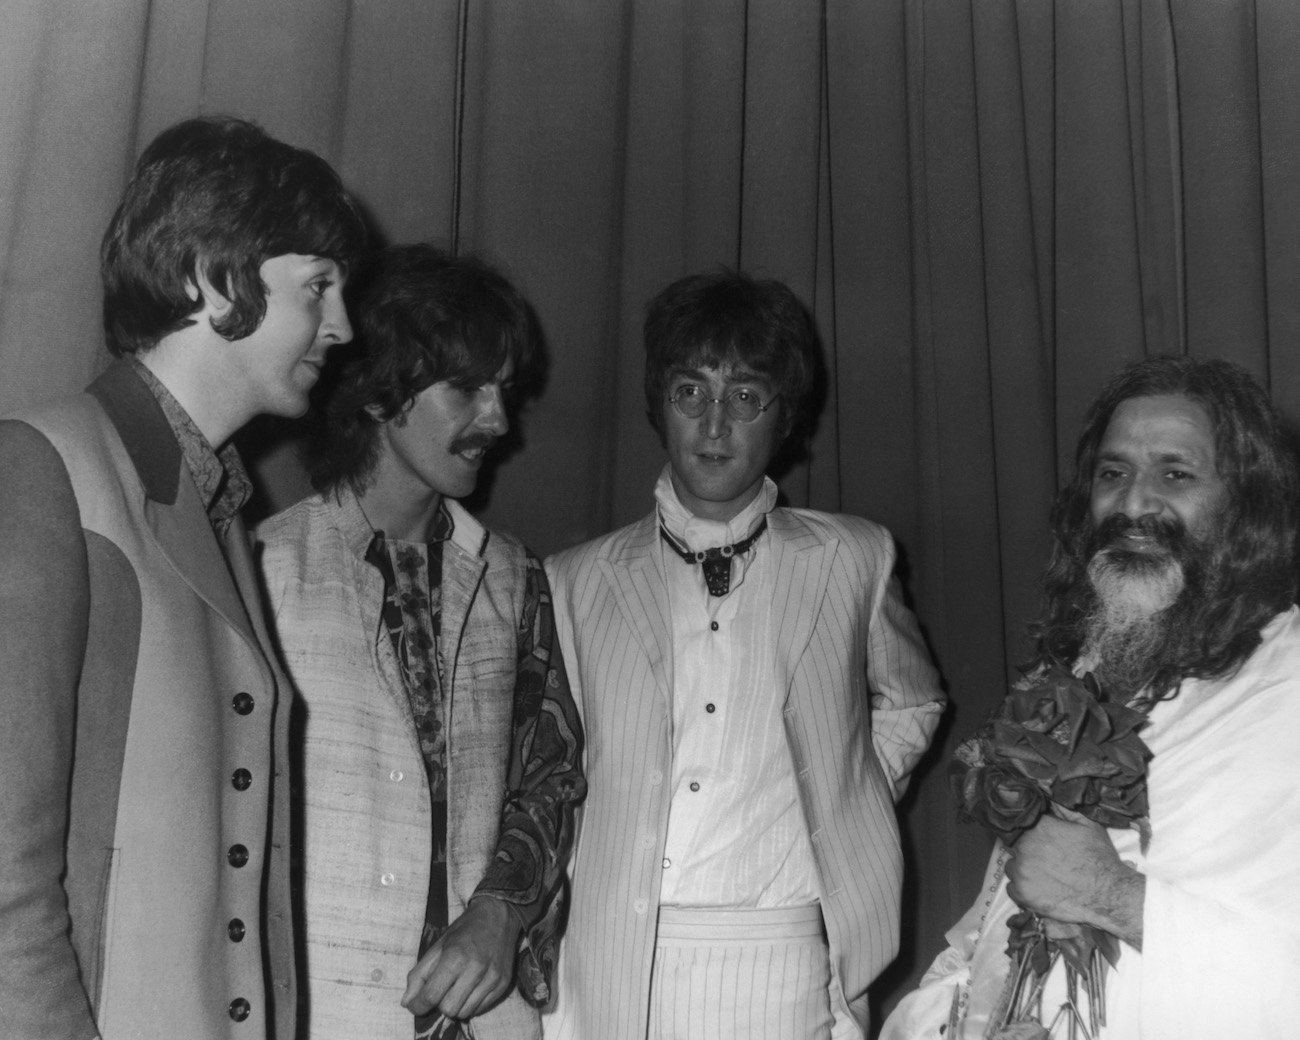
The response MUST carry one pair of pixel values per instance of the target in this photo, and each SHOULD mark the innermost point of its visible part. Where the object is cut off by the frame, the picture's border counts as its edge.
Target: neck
(400, 513)
(204, 394)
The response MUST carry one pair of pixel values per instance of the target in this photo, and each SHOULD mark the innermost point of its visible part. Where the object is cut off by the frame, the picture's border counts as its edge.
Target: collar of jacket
(139, 420)
(468, 536)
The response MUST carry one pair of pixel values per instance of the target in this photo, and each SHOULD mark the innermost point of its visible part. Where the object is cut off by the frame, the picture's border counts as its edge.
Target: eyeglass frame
(725, 401)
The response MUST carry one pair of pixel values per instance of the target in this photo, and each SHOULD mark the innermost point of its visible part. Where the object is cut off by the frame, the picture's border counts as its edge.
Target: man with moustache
(1172, 582)
(441, 748)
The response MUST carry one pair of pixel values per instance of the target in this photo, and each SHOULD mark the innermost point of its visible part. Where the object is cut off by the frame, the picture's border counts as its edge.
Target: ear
(208, 296)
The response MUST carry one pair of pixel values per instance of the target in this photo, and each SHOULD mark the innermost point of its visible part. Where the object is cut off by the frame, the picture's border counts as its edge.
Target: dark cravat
(716, 562)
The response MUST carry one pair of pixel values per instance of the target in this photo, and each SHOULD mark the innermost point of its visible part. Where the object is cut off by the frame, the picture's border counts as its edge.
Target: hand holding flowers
(1056, 764)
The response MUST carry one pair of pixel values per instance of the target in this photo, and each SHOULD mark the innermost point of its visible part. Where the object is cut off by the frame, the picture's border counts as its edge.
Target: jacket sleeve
(44, 607)
(545, 784)
(906, 697)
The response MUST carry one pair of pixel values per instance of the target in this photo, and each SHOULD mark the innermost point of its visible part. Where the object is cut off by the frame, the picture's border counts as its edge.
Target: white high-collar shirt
(736, 834)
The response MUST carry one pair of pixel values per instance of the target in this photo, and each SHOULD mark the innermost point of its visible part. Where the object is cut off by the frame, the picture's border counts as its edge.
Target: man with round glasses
(754, 694)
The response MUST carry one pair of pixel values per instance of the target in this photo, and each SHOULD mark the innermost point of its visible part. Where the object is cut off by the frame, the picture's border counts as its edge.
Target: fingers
(457, 984)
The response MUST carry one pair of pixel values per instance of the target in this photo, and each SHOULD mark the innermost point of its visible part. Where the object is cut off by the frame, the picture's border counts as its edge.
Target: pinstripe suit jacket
(861, 703)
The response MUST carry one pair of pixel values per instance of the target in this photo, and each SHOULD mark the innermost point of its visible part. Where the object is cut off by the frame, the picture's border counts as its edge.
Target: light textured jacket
(861, 701)
(136, 685)
(367, 814)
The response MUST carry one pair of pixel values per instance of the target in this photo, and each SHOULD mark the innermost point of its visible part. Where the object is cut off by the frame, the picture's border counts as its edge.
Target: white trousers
(741, 975)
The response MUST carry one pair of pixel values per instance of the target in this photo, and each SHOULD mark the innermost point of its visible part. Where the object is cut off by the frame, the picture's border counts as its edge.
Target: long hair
(1252, 576)
(217, 197)
(422, 317)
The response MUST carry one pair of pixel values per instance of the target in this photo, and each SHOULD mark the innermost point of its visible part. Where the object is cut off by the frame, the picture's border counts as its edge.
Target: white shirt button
(377, 975)
(386, 879)
(647, 841)
(657, 777)
(640, 906)
(397, 776)
(667, 863)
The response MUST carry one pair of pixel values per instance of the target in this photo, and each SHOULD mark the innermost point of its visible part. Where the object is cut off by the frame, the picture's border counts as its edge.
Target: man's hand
(469, 969)
(1071, 872)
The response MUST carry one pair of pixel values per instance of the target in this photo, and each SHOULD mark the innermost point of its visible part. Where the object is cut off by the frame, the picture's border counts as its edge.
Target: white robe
(1221, 922)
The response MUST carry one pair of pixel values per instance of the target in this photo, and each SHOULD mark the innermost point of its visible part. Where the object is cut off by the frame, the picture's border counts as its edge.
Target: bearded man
(1172, 582)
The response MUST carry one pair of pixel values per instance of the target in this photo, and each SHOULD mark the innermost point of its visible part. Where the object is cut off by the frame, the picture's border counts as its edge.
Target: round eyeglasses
(742, 404)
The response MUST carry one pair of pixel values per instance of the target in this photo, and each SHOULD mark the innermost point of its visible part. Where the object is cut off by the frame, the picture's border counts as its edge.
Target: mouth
(472, 449)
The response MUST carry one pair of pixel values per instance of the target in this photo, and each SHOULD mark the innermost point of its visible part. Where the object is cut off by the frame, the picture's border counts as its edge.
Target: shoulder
(855, 536)
(289, 540)
(582, 557)
(287, 526)
(1277, 658)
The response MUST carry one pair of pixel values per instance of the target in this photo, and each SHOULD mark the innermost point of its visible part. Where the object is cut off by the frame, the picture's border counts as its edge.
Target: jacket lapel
(463, 566)
(176, 516)
(803, 567)
(634, 575)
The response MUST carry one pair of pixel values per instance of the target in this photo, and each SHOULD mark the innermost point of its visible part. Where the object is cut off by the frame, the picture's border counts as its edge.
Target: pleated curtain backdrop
(989, 205)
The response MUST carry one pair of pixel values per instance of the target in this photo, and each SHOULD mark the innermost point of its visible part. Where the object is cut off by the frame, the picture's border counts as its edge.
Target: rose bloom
(1003, 799)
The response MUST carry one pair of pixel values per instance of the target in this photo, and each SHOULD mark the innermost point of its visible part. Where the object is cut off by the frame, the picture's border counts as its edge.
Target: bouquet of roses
(1055, 744)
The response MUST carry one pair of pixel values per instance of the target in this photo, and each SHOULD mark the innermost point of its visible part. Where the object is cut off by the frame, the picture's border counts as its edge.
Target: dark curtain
(989, 205)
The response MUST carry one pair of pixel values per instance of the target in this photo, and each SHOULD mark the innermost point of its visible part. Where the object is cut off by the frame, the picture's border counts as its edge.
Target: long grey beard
(1127, 634)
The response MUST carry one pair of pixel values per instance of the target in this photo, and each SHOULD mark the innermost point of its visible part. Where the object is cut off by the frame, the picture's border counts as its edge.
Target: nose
(717, 423)
(492, 411)
(1140, 498)
(336, 329)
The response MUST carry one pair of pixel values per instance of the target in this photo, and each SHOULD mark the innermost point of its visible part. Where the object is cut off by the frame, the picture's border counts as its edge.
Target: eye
(320, 286)
(688, 392)
(746, 396)
(1178, 476)
(1108, 474)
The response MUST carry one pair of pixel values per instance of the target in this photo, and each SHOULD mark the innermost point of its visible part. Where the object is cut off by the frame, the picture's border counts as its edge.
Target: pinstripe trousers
(740, 974)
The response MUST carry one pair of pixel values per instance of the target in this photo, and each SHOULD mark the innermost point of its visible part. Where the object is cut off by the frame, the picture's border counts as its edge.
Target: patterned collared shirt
(220, 478)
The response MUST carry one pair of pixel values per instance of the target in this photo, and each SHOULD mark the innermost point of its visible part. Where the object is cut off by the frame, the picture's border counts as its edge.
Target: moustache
(471, 441)
(1169, 533)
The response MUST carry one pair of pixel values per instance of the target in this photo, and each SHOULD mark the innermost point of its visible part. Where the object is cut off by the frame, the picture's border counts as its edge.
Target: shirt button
(386, 879)
(656, 778)
(240, 779)
(647, 841)
(640, 906)
(667, 863)
(242, 703)
(396, 776)
(377, 975)
(235, 929)
(239, 1009)
(713, 626)
(695, 785)
(238, 855)
(710, 708)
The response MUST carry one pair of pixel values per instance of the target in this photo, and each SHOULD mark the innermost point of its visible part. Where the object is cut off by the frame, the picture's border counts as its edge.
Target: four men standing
(754, 692)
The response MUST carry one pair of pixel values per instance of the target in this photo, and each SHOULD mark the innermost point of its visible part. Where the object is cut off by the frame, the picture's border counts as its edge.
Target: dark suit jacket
(143, 871)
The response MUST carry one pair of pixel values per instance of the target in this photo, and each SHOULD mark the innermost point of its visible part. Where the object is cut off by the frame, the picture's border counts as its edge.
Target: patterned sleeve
(545, 783)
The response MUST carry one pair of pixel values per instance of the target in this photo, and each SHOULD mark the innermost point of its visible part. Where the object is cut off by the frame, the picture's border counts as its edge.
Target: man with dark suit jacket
(143, 797)
(754, 694)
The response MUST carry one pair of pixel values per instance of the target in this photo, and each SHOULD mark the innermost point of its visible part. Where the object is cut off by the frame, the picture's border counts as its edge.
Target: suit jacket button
(240, 779)
(235, 930)
(242, 703)
(238, 855)
(240, 1009)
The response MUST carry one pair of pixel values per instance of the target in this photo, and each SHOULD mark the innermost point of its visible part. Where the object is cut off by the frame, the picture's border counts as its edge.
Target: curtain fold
(989, 205)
